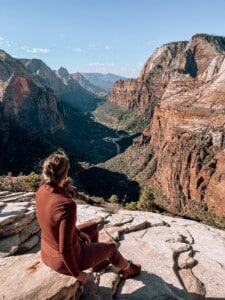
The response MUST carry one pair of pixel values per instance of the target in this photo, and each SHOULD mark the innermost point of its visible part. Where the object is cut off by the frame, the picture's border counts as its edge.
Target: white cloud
(38, 50)
(107, 47)
(24, 48)
(100, 65)
(77, 49)
(5, 43)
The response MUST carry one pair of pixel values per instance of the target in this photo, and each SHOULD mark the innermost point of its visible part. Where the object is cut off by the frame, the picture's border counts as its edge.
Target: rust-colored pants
(95, 252)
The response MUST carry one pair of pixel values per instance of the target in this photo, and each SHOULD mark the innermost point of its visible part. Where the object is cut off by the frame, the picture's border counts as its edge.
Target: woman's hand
(83, 278)
(84, 237)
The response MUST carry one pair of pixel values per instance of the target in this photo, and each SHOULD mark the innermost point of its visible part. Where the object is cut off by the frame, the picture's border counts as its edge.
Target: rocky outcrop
(181, 259)
(9, 66)
(143, 93)
(44, 74)
(28, 104)
(24, 100)
(191, 58)
(33, 280)
(39, 111)
(130, 94)
(30, 114)
(19, 229)
(183, 147)
(64, 84)
(63, 73)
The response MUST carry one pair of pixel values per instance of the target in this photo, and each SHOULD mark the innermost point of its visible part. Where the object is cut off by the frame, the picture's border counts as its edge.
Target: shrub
(97, 200)
(146, 200)
(32, 181)
(21, 183)
(131, 206)
(113, 199)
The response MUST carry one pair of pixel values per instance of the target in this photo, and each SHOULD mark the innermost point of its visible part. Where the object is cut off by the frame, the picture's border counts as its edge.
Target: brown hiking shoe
(103, 264)
(132, 271)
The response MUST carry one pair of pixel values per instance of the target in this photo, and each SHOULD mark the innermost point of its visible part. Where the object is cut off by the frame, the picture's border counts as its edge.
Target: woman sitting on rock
(66, 247)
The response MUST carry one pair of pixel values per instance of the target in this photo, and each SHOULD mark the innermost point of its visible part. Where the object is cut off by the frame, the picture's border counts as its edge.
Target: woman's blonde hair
(55, 167)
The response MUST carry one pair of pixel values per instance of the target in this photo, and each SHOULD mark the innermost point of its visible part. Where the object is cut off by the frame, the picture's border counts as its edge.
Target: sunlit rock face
(185, 139)
(29, 112)
(25, 101)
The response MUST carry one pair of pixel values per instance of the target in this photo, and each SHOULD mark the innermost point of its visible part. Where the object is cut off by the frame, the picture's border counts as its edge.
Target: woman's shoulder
(57, 193)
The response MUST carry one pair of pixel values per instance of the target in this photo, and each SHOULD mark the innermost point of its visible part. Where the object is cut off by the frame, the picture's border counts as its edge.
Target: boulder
(25, 277)
(19, 229)
(180, 258)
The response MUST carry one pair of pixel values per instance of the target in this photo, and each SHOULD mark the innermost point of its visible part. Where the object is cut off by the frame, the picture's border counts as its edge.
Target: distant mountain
(104, 81)
(87, 85)
(67, 89)
(42, 110)
(44, 74)
(29, 113)
(63, 73)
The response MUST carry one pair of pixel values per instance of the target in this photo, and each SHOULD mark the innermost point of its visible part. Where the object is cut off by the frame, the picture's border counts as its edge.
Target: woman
(66, 247)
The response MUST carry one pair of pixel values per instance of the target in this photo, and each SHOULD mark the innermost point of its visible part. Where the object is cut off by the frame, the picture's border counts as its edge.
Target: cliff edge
(181, 259)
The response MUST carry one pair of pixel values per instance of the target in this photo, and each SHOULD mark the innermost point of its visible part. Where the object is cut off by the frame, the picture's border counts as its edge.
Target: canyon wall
(42, 110)
(181, 153)
(25, 101)
(29, 113)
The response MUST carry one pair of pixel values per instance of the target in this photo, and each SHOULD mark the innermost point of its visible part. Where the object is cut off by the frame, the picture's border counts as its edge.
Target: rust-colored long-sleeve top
(57, 214)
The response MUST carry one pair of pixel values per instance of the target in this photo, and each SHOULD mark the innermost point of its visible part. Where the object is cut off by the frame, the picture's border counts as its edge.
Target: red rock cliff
(182, 152)
(144, 92)
(24, 101)
(187, 131)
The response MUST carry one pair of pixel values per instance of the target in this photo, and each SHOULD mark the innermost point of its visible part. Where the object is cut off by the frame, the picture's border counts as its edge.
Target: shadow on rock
(103, 183)
(150, 286)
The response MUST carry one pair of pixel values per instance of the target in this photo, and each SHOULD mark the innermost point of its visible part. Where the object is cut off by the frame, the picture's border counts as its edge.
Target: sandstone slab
(181, 259)
(25, 277)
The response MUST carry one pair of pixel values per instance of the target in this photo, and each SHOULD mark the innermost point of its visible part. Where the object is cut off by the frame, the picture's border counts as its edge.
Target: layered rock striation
(181, 259)
(29, 113)
(72, 89)
(19, 229)
(183, 147)
(25, 100)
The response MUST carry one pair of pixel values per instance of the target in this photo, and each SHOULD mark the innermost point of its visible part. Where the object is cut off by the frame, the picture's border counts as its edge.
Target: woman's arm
(66, 235)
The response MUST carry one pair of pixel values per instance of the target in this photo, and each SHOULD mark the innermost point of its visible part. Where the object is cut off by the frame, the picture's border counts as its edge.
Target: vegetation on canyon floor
(115, 117)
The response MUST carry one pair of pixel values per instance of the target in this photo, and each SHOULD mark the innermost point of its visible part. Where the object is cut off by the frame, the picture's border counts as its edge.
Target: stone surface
(181, 259)
(25, 277)
(19, 230)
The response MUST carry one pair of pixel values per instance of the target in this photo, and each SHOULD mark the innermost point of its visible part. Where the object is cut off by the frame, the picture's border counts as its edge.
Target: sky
(103, 36)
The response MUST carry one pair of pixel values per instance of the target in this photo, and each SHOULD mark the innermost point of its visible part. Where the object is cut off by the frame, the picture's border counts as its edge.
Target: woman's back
(53, 205)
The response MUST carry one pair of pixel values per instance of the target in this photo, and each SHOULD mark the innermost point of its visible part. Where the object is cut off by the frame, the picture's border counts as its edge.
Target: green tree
(146, 200)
